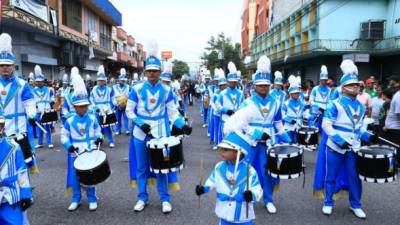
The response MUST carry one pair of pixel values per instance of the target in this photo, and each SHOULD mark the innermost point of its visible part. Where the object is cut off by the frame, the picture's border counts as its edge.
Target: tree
(231, 52)
(179, 68)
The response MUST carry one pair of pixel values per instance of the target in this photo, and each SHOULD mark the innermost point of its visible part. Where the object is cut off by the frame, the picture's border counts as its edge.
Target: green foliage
(179, 68)
(231, 53)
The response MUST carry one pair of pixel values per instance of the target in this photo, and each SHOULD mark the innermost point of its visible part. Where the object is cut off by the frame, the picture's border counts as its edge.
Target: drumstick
(389, 142)
(40, 127)
(201, 174)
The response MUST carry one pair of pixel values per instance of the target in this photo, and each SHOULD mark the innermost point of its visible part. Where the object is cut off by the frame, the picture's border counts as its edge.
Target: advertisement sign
(166, 54)
(33, 7)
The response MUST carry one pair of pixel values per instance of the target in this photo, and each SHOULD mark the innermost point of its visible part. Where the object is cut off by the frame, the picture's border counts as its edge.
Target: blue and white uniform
(276, 92)
(121, 90)
(342, 123)
(256, 116)
(319, 97)
(153, 105)
(44, 97)
(101, 98)
(14, 182)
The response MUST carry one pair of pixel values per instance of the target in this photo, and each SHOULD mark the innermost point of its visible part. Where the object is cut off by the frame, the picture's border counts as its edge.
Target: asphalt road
(116, 198)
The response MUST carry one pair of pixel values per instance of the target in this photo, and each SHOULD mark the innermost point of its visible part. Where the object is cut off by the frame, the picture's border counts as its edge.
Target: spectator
(387, 96)
(394, 83)
(365, 99)
(376, 106)
(369, 87)
(392, 123)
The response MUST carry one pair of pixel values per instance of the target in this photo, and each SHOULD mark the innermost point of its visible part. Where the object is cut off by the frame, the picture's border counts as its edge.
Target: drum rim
(364, 154)
(378, 180)
(152, 146)
(286, 176)
(316, 129)
(283, 156)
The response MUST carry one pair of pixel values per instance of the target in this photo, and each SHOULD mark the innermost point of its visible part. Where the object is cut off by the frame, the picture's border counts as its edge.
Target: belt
(151, 117)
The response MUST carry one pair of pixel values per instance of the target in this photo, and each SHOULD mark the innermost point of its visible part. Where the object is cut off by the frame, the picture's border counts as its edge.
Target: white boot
(112, 145)
(92, 206)
(359, 213)
(166, 207)
(327, 210)
(140, 205)
(73, 206)
(271, 207)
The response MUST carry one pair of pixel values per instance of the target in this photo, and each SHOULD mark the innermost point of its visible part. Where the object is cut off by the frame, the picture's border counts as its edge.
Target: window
(72, 14)
(91, 24)
(105, 35)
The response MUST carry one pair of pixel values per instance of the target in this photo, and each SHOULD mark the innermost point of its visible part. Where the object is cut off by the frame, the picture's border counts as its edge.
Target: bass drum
(92, 167)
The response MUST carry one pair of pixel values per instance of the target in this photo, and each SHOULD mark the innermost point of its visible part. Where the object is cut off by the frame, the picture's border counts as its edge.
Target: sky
(181, 26)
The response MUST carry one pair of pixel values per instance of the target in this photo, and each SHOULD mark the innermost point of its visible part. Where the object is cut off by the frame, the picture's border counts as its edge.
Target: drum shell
(158, 162)
(312, 137)
(380, 169)
(49, 117)
(110, 119)
(95, 175)
(290, 166)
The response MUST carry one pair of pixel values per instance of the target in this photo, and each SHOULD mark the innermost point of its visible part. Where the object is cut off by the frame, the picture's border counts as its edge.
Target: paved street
(116, 198)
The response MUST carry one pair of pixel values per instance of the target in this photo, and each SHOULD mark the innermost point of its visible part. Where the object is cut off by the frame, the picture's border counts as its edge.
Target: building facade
(316, 32)
(60, 34)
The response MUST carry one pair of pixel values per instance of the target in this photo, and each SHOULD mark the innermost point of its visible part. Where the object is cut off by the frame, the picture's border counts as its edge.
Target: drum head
(89, 160)
(159, 143)
(308, 130)
(285, 150)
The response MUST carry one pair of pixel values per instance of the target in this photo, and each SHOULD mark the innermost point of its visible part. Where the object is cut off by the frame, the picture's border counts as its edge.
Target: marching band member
(257, 119)
(18, 103)
(67, 108)
(121, 93)
(235, 181)
(205, 96)
(44, 99)
(151, 106)
(135, 79)
(293, 108)
(320, 96)
(277, 92)
(216, 113)
(229, 100)
(101, 98)
(15, 191)
(31, 80)
(211, 88)
(343, 125)
(81, 132)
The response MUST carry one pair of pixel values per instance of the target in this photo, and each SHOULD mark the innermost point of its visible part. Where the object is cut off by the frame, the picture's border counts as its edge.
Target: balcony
(328, 46)
(131, 40)
(106, 10)
(122, 57)
(121, 34)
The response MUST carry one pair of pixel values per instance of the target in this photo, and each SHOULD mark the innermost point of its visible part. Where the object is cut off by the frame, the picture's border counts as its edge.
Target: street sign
(364, 58)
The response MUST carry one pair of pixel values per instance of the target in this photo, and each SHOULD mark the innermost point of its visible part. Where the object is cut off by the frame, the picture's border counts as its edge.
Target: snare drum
(285, 161)
(108, 120)
(377, 164)
(49, 117)
(308, 137)
(92, 167)
(166, 154)
(23, 142)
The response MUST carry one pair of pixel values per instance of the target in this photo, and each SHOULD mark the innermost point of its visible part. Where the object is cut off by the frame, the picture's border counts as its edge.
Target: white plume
(299, 81)
(294, 81)
(232, 68)
(65, 76)
(239, 73)
(324, 70)
(264, 64)
(278, 74)
(122, 71)
(348, 67)
(38, 70)
(221, 74)
(31, 76)
(77, 82)
(168, 67)
(88, 77)
(100, 70)
(5, 43)
(152, 48)
(135, 76)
